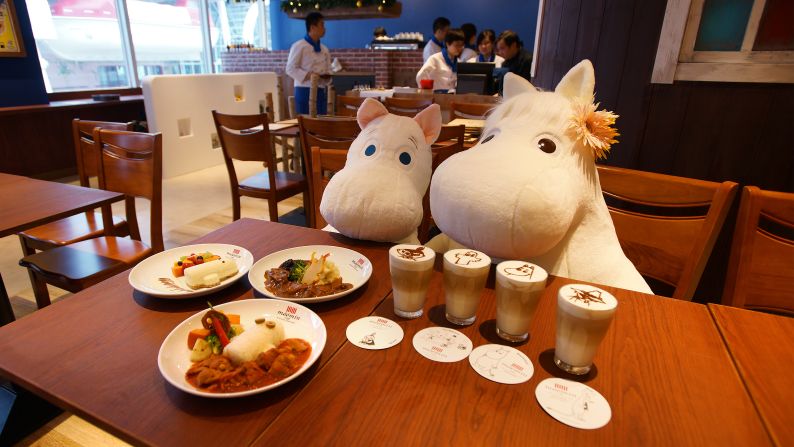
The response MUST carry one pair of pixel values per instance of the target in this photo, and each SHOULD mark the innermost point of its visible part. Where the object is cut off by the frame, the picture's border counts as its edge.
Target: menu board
(10, 36)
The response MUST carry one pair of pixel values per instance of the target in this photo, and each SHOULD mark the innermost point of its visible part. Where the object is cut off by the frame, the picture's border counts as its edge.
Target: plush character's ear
(429, 120)
(370, 109)
(516, 85)
(579, 82)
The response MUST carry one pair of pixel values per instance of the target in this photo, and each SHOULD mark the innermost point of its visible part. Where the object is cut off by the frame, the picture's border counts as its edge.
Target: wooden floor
(193, 205)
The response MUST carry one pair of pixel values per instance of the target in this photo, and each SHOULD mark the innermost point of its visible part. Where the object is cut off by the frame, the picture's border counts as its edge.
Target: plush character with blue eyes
(529, 190)
(378, 195)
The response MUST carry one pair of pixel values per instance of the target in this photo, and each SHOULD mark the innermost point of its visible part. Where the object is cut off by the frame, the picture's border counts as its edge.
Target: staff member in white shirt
(469, 36)
(436, 42)
(485, 44)
(442, 67)
(308, 56)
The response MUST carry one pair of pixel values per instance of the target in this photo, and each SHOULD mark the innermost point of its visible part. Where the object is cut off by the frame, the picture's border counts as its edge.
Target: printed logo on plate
(289, 314)
(358, 264)
(374, 333)
(573, 403)
(234, 253)
(442, 344)
(501, 364)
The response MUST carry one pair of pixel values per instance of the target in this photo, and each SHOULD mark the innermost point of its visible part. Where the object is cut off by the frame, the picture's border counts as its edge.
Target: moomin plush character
(529, 190)
(378, 195)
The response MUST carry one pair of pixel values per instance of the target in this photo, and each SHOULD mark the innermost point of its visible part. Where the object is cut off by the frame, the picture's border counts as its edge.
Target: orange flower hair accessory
(593, 127)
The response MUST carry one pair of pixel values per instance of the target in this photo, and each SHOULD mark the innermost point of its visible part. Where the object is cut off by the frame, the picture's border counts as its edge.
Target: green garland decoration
(295, 6)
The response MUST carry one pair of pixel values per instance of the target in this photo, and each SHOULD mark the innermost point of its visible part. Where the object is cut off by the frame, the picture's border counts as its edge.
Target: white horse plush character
(378, 195)
(529, 189)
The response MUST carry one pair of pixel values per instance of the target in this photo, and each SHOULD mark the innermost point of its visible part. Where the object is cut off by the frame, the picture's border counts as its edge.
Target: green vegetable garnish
(215, 344)
(297, 270)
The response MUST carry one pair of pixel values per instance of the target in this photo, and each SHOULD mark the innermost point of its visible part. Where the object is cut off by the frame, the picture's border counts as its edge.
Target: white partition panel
(180, 106)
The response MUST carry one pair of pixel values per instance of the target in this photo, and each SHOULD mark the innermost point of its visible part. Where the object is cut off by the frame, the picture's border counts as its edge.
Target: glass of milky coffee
(519, 286)
(411, 268)
(583, 317)
(465, 272)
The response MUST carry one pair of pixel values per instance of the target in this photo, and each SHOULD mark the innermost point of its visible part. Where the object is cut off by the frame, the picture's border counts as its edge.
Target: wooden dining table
(663, 368)
(761, 346)
(26, 203)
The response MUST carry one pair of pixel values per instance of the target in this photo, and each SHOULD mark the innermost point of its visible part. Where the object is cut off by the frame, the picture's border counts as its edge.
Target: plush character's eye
(487, 139)
(370, 150)
(547, 145)
(405, 158)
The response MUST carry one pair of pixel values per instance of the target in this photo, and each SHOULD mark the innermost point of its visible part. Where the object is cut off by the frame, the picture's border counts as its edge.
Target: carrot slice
(195, 334)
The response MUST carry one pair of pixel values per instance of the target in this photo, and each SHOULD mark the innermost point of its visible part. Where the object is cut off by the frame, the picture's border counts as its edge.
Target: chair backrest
(666, 225)
(449, 142)
(325, 162)
(407, 106)
(468, 110)
(84, 148)
(761, 267)
(244, 138)
(132, 163)
(348, 105)
(270, 109)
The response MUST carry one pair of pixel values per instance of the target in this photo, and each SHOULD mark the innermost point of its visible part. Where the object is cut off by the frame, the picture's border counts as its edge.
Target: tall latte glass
(519, 286)
(583, 317)
(465, 272)
(411, 268)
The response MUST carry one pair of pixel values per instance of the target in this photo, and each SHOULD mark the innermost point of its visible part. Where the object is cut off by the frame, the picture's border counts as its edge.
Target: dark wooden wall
(742, 132)
(36, 141)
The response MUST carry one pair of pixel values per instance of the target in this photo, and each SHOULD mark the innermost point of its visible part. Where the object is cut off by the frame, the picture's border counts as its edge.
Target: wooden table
(26, 203)
(662, 367)
(95, 354)
(291, 132)
(761, 347)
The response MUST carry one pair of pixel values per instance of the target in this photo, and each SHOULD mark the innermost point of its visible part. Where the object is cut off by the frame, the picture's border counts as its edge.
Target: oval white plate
(299, 322)
(153, 275)
(354, 267)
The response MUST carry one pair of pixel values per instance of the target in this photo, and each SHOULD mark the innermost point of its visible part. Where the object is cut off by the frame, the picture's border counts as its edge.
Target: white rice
(259, 338)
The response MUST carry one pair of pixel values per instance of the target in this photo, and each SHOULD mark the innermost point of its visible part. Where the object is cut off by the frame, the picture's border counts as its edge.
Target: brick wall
(390, 67)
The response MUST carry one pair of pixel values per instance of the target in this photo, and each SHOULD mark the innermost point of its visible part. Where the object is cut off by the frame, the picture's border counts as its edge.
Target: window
(85, 44)
(726, 40)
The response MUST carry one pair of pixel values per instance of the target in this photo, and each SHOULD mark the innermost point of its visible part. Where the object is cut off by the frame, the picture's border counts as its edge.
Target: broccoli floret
(297, 270)
(215, 344)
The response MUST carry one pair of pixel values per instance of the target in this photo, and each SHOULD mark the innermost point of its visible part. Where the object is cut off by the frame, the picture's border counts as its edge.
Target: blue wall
(418, 15)
(21, 82)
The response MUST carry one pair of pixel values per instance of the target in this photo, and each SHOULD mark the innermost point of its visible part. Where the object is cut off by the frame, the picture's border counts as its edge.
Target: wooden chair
(129, 163)
(449, 142)
(666, 225)
(406, 106)
(325, 162)
(247, 138)
(328, 133)
(466, 110)
(348, 105)
(761, 267)
(81, 226)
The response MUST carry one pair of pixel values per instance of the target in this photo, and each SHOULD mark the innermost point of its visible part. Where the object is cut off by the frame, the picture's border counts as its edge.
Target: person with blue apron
(306, 57)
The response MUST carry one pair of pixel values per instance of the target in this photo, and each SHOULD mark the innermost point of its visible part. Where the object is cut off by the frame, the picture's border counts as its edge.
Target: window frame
(677, 60)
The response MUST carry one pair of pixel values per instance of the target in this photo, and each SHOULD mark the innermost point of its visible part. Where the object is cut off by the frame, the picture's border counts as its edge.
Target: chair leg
(39, 290)
(26, 249)
(235, 206)
(272, 206)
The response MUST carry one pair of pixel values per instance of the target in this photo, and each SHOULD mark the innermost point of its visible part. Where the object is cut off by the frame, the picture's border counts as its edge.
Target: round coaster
(374, 333)
(573, 403)
(442, 344)
(501, 364)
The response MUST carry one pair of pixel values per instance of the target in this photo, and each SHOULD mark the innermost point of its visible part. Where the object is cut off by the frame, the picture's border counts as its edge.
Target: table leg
(6, 313)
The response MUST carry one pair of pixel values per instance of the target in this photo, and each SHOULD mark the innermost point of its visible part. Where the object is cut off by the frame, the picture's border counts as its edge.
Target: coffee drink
(519, 286)
(583, 317)
(465, 273)
(411, 267)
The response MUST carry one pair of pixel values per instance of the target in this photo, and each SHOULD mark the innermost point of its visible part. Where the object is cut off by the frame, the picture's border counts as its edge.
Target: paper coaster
(573, 403)
(442, 344)
(501, 364)
(374, 333)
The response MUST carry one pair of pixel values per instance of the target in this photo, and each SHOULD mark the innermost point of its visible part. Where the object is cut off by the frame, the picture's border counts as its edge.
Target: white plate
(153, 275)
(299, 322)
(354, 267)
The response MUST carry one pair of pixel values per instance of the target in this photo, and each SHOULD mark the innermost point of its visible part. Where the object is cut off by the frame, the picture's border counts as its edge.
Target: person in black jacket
(517, 59)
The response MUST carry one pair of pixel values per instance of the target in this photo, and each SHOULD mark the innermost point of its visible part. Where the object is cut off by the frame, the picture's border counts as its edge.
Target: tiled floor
(193, 205)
